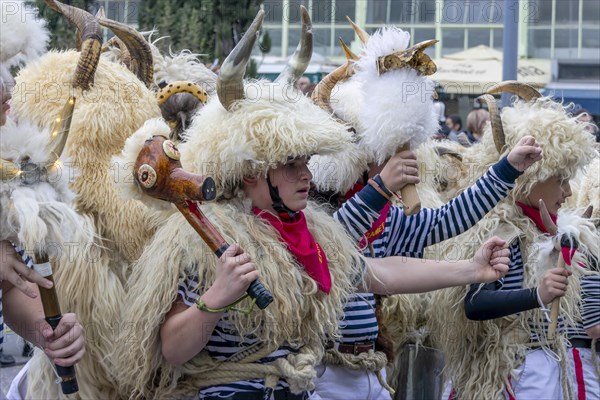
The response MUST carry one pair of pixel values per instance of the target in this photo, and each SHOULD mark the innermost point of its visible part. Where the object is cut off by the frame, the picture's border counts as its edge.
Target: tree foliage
(63, 34)
(209, 27)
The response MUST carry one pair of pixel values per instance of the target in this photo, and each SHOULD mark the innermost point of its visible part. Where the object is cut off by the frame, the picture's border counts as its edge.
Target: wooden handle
(53, 316)
(410, 197)
(555, 305)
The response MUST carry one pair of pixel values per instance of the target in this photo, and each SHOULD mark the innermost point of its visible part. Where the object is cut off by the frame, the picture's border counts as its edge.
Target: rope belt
(373, 361)
(298, 369)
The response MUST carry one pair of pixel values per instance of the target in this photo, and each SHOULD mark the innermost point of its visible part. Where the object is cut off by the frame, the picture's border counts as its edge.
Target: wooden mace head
(158, 171)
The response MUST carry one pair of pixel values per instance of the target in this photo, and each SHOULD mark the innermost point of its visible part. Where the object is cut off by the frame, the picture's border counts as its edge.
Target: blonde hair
(476, 121)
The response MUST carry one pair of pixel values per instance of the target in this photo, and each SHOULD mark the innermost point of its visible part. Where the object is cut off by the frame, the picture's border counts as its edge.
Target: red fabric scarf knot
(301, 243)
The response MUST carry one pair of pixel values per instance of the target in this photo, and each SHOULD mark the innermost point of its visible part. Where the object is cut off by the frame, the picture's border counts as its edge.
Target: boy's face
(553, 191)
(293, 182)
(4, 99)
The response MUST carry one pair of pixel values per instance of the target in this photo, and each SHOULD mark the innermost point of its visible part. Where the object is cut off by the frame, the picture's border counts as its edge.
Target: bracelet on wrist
(381, 190)
(201, 305)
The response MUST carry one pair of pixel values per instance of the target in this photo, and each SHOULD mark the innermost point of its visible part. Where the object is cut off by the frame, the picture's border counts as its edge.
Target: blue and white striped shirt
(409, 235)
(224, 342)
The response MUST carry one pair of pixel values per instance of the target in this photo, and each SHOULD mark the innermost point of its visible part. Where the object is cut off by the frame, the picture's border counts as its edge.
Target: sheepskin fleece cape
(300, 314)
(590, 189)
(480, 355)
(262, 130)
(115, 106)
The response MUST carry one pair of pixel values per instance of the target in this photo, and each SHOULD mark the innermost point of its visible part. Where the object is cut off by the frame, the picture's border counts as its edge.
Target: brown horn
(347, 52)
(91, 42)
(546, 219)
(230, 82)
(301, 58)
(523, 90)
(497, 129)
(321, 96)
(361, 33)
(60, 130)
(118, 43)
(141, 64)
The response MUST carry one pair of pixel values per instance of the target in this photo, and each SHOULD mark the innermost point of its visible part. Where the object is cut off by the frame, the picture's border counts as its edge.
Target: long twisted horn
(91, 42)
(321, 96)
(230, 83)
(140, 55)
(523, 90)
(60, 130)
(497, 129)
(360, 32)
(299, 60)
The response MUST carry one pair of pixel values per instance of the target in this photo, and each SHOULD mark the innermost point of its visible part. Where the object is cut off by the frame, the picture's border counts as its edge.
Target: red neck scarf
(534, 215)
(301, 243)
(378, 226)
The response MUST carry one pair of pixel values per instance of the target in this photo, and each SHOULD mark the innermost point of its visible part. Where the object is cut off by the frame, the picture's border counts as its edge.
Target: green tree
(62, 34)
(210, 27)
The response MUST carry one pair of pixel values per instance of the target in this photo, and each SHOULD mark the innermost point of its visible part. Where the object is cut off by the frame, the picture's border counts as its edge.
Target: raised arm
(395, 275)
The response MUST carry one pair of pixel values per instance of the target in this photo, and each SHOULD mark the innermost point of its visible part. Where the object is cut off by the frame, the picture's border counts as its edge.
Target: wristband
(201, 305)
(380, 189)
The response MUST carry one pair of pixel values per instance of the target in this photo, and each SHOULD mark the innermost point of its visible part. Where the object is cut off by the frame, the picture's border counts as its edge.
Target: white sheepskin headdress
(23, 33)
(397, 107)
(32, 213)
(566, 145)
(269, 125)
(385, 110)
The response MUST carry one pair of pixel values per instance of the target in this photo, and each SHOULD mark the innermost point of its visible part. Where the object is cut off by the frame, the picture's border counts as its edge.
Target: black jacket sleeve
(491, 303)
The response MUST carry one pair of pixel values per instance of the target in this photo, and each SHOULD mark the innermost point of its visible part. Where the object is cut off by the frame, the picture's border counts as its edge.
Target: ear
(248, 181)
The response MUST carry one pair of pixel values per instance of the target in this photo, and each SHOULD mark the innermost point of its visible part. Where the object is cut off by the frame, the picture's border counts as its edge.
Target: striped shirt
(224, 342)
(27, 261)
(590, 298)
(590, 307)
(409, 235)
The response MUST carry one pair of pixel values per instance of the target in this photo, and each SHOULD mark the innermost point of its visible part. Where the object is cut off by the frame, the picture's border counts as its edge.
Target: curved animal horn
(321, 96)
(60, 130)
(347, 52)
(141, 62)
(497, 129)
(361, 33)
(91, 42)
(523, 90)
(299, 60)
(230, 82)
(118, 43)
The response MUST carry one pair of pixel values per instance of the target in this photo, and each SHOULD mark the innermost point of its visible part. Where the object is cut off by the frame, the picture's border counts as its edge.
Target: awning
(587, 94)
(473, 71)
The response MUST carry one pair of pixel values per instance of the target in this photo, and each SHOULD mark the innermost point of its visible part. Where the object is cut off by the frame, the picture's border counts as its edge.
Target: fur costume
(115, 106)
(589, 192)
(480, 355)
(242, 137)
(23, 34)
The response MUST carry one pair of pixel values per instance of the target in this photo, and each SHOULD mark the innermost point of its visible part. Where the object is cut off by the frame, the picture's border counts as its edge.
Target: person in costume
(188, 329)
(366, 209)
(508, 349)
(23, 37)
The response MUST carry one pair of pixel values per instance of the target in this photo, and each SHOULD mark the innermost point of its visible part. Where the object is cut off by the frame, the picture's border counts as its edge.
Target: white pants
(18, 386)
(584, 380)
(538, 378)
(338, 383)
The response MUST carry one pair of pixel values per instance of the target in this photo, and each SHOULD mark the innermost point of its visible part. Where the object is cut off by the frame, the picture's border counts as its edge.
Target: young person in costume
(507, 350)
(187, 332)
(369, 102)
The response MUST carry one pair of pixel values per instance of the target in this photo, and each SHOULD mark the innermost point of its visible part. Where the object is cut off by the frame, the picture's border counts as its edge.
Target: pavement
(13, 345)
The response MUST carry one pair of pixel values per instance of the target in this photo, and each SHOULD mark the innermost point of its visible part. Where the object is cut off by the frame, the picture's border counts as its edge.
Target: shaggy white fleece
(23, 34)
